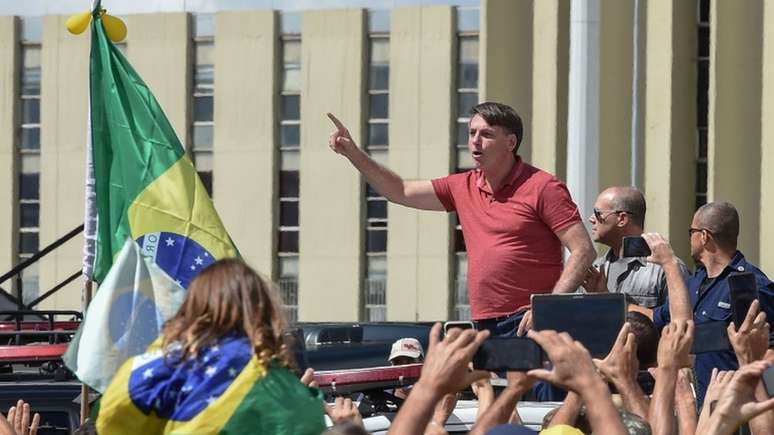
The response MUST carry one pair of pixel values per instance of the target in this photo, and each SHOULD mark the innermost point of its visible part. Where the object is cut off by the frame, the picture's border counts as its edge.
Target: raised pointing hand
(340, 140)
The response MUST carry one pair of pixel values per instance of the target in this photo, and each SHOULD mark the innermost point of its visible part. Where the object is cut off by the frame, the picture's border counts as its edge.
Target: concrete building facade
(247, 92)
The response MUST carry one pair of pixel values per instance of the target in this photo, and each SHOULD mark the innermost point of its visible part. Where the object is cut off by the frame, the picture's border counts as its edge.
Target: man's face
(604, 220)
(489, 145)
(404, 360)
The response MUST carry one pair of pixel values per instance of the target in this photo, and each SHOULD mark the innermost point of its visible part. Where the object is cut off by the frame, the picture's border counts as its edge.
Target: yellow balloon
(114, 27)
(76, 24)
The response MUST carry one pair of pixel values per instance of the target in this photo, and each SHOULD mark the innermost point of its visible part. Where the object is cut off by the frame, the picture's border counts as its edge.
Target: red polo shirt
(510, 236)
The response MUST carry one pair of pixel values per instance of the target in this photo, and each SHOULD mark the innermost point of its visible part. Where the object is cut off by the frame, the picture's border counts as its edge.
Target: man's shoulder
(536, 175)
(761, 278)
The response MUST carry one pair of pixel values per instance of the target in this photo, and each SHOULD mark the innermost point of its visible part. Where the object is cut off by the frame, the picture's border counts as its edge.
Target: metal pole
(635, 169)
(583, 104)
(87, 288)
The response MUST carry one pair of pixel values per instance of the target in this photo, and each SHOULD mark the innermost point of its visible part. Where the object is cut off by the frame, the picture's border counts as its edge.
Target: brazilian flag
(156, 227)
(224, 390)
(146, 187)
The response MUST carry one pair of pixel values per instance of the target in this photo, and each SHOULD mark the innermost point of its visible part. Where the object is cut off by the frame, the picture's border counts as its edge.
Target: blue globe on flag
(180, 257)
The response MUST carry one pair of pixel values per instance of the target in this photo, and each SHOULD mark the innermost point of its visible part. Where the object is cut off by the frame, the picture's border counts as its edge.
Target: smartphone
(459, 324)
(744, 290)
(635, 247)
(710, 337)
(592, 319)
(508, 353)
(768, 380)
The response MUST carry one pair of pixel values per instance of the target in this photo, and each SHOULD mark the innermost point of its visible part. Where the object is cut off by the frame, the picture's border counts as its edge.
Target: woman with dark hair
(220, 366)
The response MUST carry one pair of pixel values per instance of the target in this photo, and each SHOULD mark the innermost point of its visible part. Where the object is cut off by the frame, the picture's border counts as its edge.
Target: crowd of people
(222, 364)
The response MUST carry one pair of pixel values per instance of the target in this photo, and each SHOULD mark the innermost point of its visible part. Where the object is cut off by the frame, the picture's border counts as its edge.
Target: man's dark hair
(502, 115)
(646, 336)
(722, 221)
(631, 200)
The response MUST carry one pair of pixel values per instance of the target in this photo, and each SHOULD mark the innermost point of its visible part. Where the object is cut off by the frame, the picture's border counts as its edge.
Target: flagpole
(87, 290)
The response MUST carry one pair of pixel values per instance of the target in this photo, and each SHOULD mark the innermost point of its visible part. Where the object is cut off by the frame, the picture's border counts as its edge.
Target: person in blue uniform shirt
(713, 236)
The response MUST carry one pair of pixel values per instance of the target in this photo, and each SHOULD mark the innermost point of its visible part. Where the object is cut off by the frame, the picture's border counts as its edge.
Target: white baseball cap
(410, 347)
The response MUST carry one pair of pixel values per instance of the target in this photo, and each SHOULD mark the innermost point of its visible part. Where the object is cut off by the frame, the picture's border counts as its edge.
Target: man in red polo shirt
(515, 218)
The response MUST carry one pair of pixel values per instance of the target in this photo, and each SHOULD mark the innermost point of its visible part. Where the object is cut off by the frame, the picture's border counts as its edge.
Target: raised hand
(596, 280)
(19, 419)
(340, 140)
(344, 410)
(675, 345)
(751, 341)
(738, 404)
(621, 364)
(308, 378)
(573, 368)
(660, 250)
(445, 369)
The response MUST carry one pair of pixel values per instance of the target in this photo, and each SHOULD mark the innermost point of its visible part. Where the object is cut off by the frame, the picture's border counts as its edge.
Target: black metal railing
(16, 273)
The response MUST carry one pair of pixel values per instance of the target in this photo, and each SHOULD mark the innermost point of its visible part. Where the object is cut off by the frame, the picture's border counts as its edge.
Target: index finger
(336, 122)
(623, 335)
(752, 312)
(434, 338)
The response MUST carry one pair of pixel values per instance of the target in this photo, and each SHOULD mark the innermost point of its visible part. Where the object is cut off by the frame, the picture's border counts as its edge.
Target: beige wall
(734, 149)
(615, 92)
(421, 107)
(331, 191)
(550, 69)
(158, 46)
(505, 55)
(9, 94)
(766, 236)
(244, 157)
(65, 78)
(670, 119)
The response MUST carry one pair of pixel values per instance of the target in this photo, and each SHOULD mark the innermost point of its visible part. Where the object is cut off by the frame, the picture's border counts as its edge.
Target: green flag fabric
(156, 227)
(147, 189)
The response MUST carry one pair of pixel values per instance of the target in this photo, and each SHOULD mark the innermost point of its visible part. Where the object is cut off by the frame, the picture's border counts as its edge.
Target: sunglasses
(600, 214)
(692, 230)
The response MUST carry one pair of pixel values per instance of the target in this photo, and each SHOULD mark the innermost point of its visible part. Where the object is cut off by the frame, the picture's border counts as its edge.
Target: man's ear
(513, 141)
(623, 220)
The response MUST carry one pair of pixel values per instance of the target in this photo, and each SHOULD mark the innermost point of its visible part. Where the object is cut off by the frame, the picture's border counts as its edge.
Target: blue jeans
(507, 327)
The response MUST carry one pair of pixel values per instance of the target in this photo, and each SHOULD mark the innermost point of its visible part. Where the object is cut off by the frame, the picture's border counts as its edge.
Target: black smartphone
(710, 337)
(768, 380)
(592, 319)
(508, 353)
(459, 324)
(635, 247)
(744, 290)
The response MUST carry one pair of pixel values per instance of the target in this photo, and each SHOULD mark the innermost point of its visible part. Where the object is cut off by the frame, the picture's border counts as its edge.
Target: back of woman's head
(228, 297)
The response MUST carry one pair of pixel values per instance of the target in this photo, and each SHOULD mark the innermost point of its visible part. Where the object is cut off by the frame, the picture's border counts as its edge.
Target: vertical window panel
(288, 143)
(467, 81)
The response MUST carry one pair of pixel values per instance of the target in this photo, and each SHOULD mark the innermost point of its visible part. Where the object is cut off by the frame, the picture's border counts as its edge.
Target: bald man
(620, 212)
(713, 235)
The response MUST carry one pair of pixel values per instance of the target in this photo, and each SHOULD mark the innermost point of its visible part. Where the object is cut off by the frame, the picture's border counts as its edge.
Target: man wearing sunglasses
(713, 236)
(620, 212)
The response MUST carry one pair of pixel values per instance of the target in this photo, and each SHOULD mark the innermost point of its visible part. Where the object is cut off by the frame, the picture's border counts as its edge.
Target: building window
(376, 145)
(702, 100)
(289, 161)
(202, 128)
(467, 96)
(28, 149)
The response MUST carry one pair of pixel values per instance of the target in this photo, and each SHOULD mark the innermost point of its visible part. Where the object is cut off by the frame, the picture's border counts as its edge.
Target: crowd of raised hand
(734, 398)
